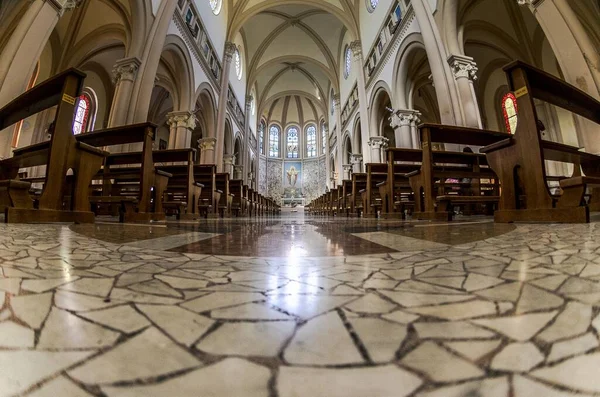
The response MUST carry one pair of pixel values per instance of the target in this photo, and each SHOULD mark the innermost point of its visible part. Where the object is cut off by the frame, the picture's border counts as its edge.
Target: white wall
(346, 84)
(239, 85)
(371, 22)
(216, 25)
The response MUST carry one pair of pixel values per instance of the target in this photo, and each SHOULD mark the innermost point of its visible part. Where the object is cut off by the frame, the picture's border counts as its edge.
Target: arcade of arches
(292, 97)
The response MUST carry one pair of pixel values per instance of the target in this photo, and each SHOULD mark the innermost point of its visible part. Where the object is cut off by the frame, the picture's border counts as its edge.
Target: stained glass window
(372, 5)
(348, 62)
(82, 112)
(274, 141)
(292, 143)
(238, 64)
(311, 141)
(216, 5)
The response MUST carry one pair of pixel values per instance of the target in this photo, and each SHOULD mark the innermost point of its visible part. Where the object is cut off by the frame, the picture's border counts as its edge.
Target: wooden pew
(252, 208)
(432, 201)
(395, 192)
(345, 192)
(226, 199)
(60, 201)
(183, 192)
(211, 196)
(137, 183)
(519, 160)
(236, 189)
(372, 201)
(359, 182)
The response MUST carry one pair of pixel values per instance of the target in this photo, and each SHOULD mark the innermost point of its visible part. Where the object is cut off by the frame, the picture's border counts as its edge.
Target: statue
(292, 175)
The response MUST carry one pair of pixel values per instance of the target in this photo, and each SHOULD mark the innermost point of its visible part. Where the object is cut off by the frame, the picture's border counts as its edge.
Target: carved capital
(532, 3)
(207, 143)
(404, 117)
(356, 47)
(463, 67)
(228, 159)
(249, 100)
(182, 120)
(378, 142)
(230, 49)
(126, 69)
(347, 167)
(356, 158)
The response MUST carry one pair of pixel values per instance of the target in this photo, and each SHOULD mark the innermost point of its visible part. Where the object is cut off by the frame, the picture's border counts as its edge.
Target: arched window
(372, 5)
(82, 114)
(323, 137)
(332, 103)
(274, 141)
(238, 63)
(311, 141)
(292, 143)
(216, 6)
(261, 137)
(347, 62)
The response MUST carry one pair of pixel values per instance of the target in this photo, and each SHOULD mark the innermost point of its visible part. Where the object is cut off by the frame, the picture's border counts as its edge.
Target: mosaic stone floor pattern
(512, 315)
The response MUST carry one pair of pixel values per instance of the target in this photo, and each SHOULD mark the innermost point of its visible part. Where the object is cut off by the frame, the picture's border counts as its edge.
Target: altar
(289, 202)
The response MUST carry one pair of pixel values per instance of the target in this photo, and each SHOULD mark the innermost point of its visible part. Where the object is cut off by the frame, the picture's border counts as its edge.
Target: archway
(380, 114)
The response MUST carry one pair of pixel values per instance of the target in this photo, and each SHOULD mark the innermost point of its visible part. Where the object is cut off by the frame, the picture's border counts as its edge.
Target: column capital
(182, 119)
(463, 67)
(70, 4)
(230, 49)
(249, 99)
(356, 47)
(126, 69)
(532, 3)
(228, 159)
(378, 142)
(207, 143)
(404, 117)
(347, 167)
(356, 158)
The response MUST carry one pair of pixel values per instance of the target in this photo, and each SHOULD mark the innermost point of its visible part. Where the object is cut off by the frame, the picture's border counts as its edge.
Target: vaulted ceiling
(293, 50)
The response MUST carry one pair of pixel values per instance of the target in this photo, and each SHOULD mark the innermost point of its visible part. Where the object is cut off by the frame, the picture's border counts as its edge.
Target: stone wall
(262, 176)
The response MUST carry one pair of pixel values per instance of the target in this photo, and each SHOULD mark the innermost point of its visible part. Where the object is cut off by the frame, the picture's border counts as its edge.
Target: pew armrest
(497, 146)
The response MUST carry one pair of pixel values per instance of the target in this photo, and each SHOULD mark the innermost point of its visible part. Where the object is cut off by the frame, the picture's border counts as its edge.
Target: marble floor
(296, 307)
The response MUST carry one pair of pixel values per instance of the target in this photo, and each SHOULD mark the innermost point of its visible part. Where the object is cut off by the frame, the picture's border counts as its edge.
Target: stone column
(347, 172)
(182, 124)
(363, 105)
(22, 52)
(414, 129)
(247, 132)
(207, 150)
(228, 164)
(150, 58)
(465, 72)
(337, 105)
(25, 45)
(222, 111)
(576, 54)
(445, 89)
(404, 122)
(124, 73)
(356, 160)
(327, 153)
(378, 144)
(238, 172)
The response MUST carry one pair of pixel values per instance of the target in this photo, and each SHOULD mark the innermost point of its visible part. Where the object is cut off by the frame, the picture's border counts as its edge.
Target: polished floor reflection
(300, 307)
